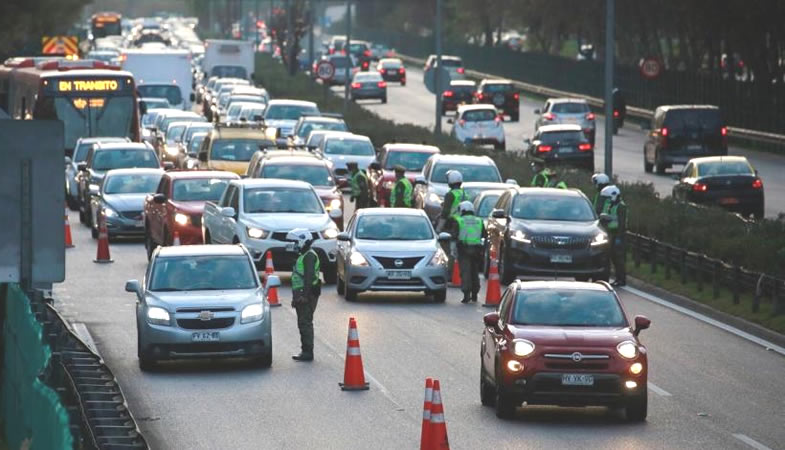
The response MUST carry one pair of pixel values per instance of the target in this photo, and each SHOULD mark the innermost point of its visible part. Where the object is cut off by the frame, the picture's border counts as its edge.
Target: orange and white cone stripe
(438, 436)
(425, 433)
(493, 292)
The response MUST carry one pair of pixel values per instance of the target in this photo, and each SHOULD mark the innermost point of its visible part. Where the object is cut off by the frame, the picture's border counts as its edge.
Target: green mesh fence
(31, 410)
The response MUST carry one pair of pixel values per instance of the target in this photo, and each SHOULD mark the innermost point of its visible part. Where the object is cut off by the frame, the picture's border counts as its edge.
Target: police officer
(469, 231)
(452, 199)
(401, 194)
(614, 206)
(359, 185)
(541, 174)
(306, 288)
(554, 181)
(600, 181)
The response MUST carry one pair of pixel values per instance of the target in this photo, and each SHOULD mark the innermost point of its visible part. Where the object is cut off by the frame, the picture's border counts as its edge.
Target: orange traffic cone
(353, 373)
(425, 434)
(176, 238)
(493, 293)
(69, 243)
(438, 437)
(456, 274)
(272, 294)
(102, 254)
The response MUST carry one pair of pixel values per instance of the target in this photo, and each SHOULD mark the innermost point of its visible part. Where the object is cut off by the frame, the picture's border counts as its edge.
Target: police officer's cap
(400, 169)
(351, 164)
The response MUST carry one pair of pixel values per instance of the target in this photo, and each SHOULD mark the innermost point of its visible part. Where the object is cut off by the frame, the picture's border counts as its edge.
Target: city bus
(105, 24)
(91, 98)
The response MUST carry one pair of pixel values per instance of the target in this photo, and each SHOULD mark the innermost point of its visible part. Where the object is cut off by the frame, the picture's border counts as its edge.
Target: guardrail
(708, 272)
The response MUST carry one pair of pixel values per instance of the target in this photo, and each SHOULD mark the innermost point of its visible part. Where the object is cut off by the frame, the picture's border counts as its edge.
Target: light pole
(610, 53)
(346, 51)
(437, 79)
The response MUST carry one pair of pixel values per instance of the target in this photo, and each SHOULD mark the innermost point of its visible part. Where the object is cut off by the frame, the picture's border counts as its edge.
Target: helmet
(612, 192)
(600, 180)
(466, 206)
(400, 169)
(300, 236)
(454, 177)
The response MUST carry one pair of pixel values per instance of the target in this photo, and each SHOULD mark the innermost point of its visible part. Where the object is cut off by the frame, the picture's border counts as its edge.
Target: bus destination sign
(88, 86)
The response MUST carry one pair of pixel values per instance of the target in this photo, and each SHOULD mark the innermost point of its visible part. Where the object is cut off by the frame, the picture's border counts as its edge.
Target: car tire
(637, 407)
(73, 205)
(659, 166)
(515, 117)
(403, 83)
(486, 261)
(439, 296)
(487, 391)
(505, 407)
(330, 275)
(647, 166)
(504, 272)
(146, 363)
(350, 294)
(384, 99)
(265, 361)
(502, 146)
(339, 284)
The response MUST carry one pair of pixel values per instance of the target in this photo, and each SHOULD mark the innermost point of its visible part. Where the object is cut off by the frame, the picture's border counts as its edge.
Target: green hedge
(758, 246)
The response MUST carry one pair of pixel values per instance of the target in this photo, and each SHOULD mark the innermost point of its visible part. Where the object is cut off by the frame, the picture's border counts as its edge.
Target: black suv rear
(679, 133)
(501, 94)
(547, 232)
(458, 93)
(361, 50)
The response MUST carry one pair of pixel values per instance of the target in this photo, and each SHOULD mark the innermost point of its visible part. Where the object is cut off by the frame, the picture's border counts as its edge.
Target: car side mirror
(228, 212)
(641, 323)
(168, 165)
(143, 108)
(67, 160)
(202, 156)
(419, 179)
(81, 166)
(605, 219)
(491, 320)
(537, 111)
(511, 181)
(343, 237)
(450, 120)
(498, 214)
(445, 237)
(134, 286)
(336, 213)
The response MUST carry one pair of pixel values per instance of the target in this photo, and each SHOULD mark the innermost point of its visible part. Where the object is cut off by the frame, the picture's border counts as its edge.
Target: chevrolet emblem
(206, 315)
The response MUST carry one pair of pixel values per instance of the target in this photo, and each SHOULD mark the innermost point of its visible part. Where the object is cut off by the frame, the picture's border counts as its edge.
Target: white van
(228, 58)
(162, 73)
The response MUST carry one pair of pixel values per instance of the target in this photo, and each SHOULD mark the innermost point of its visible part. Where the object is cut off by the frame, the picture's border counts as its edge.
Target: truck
(228, 58)
(161, 73)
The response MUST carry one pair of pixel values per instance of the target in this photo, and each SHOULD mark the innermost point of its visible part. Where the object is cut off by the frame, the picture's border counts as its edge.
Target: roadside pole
(610, 54)
(348, 80)
(311, 17)
(437, 81)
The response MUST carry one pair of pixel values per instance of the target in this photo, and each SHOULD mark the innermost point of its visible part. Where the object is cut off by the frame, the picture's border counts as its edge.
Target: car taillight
(757, 184)
(478, 95)
(590, 116)
(700, 187)
(585, 147)
(381, 84)
(615, 113)
(664, 132)
(365, 65)
(447, 94)
(460, 70)
(724, 131)
(548, 116)
(498, 120)
(402, 70)
(367, 53)
(544, 148)
(516, 96)
(356, 85)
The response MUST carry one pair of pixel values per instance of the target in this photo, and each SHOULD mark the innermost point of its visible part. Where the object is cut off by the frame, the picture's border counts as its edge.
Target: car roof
(123, 146)
(711, 159)
(201, 250)
(470, 159)
(559, 127)
(567, 100)
(390, 212)
(402, 146)
(330, 132)
(560, 284)
(553, 192)
(301, 160)
(135, 171)
(272, 182)
(687, 107)
(290, 102)
(107, 139)
(478, 107)
(463, 83)
(190, 174)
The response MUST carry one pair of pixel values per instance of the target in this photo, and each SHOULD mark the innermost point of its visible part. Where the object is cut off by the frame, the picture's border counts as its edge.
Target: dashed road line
(750, 441)
(658, 390)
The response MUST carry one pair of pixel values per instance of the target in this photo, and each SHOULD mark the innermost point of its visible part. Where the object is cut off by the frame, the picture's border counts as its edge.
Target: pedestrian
(360, 193)
(469, 231)
(541, 177)
(616, 225)
(452, 199)
(554, 181)
(401, 194)
(619, 109)
(600, 181)
(306, 288)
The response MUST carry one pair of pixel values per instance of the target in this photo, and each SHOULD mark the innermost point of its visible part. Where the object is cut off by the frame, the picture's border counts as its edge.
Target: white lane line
(658, 390)
(730, 329)
(750, 441)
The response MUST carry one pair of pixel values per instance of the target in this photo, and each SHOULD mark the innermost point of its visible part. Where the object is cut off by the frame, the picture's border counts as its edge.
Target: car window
(307, 127)
(479, 115)
(235, 149)
(196, 142)
(281, 200)
(188, 273)
(561, 137)
(504, 306)
(353, 147)
(167, 91)
(393, 228)
(570, 108)
(708, 120)
(122, 159)
(412, 161)
(503, 202)
(462, 89)
(199, 189)
(174, 133)
(486, 205)
(234, 200)
(470, 172)
(191, 130)
(719, 168)
(289, 112)
(552, 207)
(314, 175)
(497, 88)
(131, 184)
(80, 154)
(567, 308)
(228, 193)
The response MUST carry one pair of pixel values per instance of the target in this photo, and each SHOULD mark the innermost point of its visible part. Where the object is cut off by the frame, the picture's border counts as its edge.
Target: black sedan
(729, 182)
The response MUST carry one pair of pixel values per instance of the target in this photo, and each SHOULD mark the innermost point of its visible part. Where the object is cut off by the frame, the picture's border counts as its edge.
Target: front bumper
(528, 259)
(117, 226)
(424, 278)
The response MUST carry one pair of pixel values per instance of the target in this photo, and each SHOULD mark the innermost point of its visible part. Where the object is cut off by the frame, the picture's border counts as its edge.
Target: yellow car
(230, 148)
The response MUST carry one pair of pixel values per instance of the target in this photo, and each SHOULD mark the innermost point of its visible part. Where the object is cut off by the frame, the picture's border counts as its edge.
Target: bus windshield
(95, 116)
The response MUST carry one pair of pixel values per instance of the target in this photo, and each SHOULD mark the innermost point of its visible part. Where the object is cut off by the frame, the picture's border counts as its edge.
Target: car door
(684, 182)
(344, 248)
(222, 233)
(496, 226)
(494, 336)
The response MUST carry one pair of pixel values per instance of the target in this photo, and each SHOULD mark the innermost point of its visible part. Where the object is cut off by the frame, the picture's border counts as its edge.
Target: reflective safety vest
(541, 175)
(559, 185)
(458, 195)
(469, 230)
(299, 271)
(407, 193)
(358, 178)
(613, 211)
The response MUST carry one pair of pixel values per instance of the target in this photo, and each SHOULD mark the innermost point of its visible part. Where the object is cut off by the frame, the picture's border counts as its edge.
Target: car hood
(289, 221)
(339, 161)
(440, 189)
(397, 248)
(286, 125)
(327, 192)
(571, 337)
(125, 202)
(555, 227)
(193, 207)
(206, 299)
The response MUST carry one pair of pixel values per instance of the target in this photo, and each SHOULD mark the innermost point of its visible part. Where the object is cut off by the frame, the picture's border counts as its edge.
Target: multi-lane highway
(414, 104)
(708, 387)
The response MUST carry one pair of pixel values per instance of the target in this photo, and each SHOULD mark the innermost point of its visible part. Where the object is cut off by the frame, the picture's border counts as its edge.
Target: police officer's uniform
(617, 230)
(470, 232)
(306, 288)
(401, 194)
(359, 187)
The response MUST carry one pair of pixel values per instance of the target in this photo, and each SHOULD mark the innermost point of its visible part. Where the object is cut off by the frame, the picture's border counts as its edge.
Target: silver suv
(570, 111)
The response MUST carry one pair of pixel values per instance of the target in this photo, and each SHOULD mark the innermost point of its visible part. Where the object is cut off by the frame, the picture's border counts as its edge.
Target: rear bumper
(375, 93)
(680, 156)
(577, 158)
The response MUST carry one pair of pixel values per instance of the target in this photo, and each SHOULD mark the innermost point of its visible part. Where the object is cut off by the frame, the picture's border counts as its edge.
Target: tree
(24, 22)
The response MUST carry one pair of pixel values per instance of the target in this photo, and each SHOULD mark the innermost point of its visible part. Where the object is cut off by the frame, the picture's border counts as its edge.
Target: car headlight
(435, 198)
(522, 347)
(439, 258)
(520, 236)
(252, 313)
(388, 185)
(627, 349)
(109, 212)
(357, 259)
(157, 316)
(600, 239)
(333, 204)
(256, 233)
(330, 232)
(172, 150)
(181, 218)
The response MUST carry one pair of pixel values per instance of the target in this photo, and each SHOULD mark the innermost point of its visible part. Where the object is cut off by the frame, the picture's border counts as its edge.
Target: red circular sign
(651, 68)
(325, 70)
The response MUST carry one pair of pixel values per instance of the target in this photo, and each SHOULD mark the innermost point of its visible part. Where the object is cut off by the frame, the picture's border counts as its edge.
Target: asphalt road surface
(708, 388)
(414, 104)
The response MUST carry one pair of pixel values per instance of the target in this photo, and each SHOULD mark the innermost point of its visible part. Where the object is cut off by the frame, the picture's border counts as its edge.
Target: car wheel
(339, 285)
(350, 294)
(647, 166)
(659, 166)
(439, 296)
(330, 275)
(505, 275)
(72, 204)
(384, 99)
(505, 407)
(637, 407)
(501, 146)
(146, 363)
(403, 83)
(487, 391)
(515, 117)
(88, 216)
(486, 261)
(265, 361)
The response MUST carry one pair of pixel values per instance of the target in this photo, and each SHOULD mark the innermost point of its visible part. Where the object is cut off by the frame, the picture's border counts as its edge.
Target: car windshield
(281, 200)
(196, 142)
(567, 308)
(174, 133)
(122, 159)
(307, 127)
(234, 111)
(229, 72)
(552, 207)
(570, 108)
(462, 88)
(250, 112)
(353, 147)
(131, 184)
(289, 112)
(486, 205)
(193, 273)
(199, 189)
(479, 115)
(315, 175)
(693, 119)
(393, 228)
(718, 168)
(191, 130)
(170, 92)
(497, 88)
(412, 161)
(235, 149)
(561, 137)
(470, 172)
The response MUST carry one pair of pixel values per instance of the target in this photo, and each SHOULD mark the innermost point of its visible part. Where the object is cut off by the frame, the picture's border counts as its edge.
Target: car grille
(198, 310)
(567, 243)
(389, 282)
(133, 215)
(281, 236)
(198, 324)
(196, 220)
(389, 263)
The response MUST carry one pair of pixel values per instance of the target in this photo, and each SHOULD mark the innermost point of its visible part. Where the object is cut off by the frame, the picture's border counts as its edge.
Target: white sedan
(480, 125)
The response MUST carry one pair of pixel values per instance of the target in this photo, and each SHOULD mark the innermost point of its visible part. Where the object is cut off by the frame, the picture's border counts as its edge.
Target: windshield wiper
(167, 289)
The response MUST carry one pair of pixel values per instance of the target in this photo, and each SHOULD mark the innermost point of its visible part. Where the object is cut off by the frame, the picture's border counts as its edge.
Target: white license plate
(570, 121)
(391, 72)
(566, 149)
(290, 247)
(694, 147)
(564, 259)
(399, 274)
(206, 336)
(571, 379)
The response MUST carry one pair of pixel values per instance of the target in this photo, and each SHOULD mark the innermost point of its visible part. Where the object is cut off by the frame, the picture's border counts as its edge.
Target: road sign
(430, 82)
(325, 70)
(651, 68)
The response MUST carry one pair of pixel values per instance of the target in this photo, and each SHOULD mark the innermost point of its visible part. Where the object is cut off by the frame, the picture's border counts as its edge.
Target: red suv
(382, 175)
(563, 343)
(177, 206)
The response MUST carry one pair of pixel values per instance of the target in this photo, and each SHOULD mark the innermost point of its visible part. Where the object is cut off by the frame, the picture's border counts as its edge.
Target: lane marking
(750, 441)
(658, 390)
(730, 329)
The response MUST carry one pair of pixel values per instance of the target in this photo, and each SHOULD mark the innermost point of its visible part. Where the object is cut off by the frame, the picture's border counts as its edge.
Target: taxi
(229, 147)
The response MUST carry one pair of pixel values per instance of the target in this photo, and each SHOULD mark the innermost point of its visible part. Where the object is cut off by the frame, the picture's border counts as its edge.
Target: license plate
(290, 247)
(206, 336)
(570, 121)
(694, 147)
(399, 274)
(729, 201)
(390, 72)
(570, 379)
(566, 149)
(139, 224)
(561, 259)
